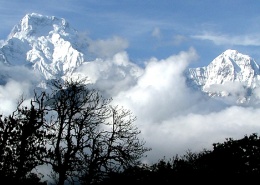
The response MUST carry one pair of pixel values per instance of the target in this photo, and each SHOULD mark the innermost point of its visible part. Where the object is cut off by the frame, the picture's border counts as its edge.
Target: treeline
(233, 161)
(86, 140)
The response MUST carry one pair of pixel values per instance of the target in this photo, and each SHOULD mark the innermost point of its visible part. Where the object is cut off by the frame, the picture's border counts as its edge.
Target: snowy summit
(46, 43)
(229, 74)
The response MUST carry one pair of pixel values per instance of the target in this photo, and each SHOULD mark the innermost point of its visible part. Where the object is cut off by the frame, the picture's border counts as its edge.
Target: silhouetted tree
(234, 157)
(91, 137)
(232, 160)
(113, 146)
(22, 143)
(30, 179)
(137, 175)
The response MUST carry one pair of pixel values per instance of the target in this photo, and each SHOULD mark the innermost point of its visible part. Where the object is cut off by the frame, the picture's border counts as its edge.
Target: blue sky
(154, 28)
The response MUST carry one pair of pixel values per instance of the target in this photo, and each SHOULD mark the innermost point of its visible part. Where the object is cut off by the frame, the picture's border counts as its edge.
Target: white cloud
(10, 94)
(177, 134)
(172, 117)
(256, 92)
(2, 43)
(19, 82)
(111, 75)
(108, 47)
(221, 39)
(161, 84)
(156, 33)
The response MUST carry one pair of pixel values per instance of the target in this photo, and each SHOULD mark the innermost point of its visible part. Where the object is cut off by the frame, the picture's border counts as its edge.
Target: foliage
(22, 143)
(234, 160)
(235, 156)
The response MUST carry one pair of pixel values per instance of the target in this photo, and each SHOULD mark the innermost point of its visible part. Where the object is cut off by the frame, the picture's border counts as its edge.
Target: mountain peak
(233, 58)
(234, 54)
(36, 25)
(227, 74)
(230, 52)
(45, 43)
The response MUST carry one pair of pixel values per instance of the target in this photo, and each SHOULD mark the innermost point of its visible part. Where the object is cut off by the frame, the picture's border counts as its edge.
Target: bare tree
(91, 137)
(113, 147)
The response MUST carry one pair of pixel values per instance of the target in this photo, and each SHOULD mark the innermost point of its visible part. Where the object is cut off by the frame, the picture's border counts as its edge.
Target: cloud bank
(172, 117)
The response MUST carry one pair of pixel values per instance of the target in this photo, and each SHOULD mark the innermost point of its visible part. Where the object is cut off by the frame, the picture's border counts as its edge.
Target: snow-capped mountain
(51, 47)
(231, 74)
(46, 43)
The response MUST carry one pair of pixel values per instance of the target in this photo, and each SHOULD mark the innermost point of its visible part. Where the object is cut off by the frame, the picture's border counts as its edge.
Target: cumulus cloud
(18, 82)
(222, 39)
(107, 47)
(160, 85)
(111, 75)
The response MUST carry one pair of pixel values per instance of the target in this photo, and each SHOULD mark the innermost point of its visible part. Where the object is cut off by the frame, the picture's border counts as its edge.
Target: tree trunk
(62, 178)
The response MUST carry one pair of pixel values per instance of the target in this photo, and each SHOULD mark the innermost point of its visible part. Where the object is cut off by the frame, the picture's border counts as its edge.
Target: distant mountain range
(49, 46)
